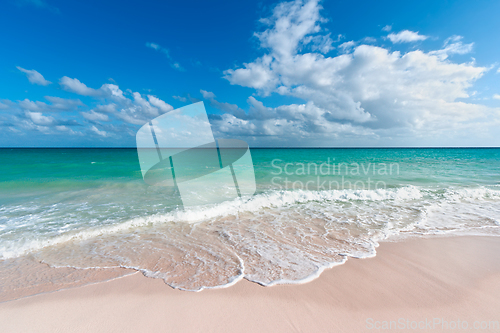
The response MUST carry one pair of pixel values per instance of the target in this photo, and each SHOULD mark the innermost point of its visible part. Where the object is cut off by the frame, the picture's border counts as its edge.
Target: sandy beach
(419, 284)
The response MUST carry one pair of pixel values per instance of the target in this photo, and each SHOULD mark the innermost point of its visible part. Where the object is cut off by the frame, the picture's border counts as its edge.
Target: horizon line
(290, 147)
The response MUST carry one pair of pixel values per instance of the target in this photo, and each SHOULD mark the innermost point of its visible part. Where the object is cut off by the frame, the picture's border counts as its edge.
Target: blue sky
(299, 73)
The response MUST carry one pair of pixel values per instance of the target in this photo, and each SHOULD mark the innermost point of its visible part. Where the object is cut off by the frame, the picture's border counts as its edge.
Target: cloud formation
(115, 114)
(94, 116)
(77, 87)
(337, 91)
(406, 36)
(453, 45)
(368, 90)
(34, 77)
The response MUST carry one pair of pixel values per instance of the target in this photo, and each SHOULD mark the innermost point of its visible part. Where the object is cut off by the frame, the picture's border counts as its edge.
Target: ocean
(313, 209)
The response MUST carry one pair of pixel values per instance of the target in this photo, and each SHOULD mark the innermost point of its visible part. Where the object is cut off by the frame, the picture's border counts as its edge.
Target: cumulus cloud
(134, 108)
(369, 90)
(207, 94)
(57, 104)
(161, 105)
(99, 132)
(496, 96)
(387, 28)
(34, 77)
(257, 74)
(166, 52)
(94, 116)
(347, 46)
(39, 119)
(28, 116)
(26, 104)
(369, 40)
(111, 106)
(285, 124)
(453, 45)
(63, 104)
(77, 87)
(291, 27)
(406, 36)
(107, 90)
(180, 98)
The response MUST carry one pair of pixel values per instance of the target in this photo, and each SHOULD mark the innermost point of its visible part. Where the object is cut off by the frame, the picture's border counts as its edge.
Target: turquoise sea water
(314, 208)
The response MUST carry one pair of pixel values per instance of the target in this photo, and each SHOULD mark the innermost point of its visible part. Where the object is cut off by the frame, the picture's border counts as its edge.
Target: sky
(275, 74)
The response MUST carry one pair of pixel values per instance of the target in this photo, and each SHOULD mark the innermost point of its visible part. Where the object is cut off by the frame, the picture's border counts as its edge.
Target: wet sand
(418, 284)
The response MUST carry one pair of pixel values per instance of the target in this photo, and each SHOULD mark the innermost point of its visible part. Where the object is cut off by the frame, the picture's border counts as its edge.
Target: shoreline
(451, 278)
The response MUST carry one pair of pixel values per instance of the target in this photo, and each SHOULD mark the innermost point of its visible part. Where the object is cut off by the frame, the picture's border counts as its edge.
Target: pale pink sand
(448, 279)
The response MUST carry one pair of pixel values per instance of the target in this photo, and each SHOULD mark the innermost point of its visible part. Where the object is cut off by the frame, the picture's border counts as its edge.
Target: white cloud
(63, 104)
(406, 36)
(127, 109)
(161, 105)
(347, 46)
(34, 77)
(107, 90)
(369, 91)
(94, 116)
(77, 87)
(99, 132)
(133, 108)
(110, 108)
(31, 116)
(26, 104)
(57, 104)
(369, 40)
(322, 44)
(289, 25)
(496, 96)
(287, 124)
(63, 128)
(453, 45)
(207, 94)
(180, 98)
(257, 74)
(387, 28)
(132, 115)
(112, 91)
(144, 105)
(39, 119)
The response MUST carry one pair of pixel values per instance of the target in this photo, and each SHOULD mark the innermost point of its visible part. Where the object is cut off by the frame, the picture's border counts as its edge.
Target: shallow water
(314, 208)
